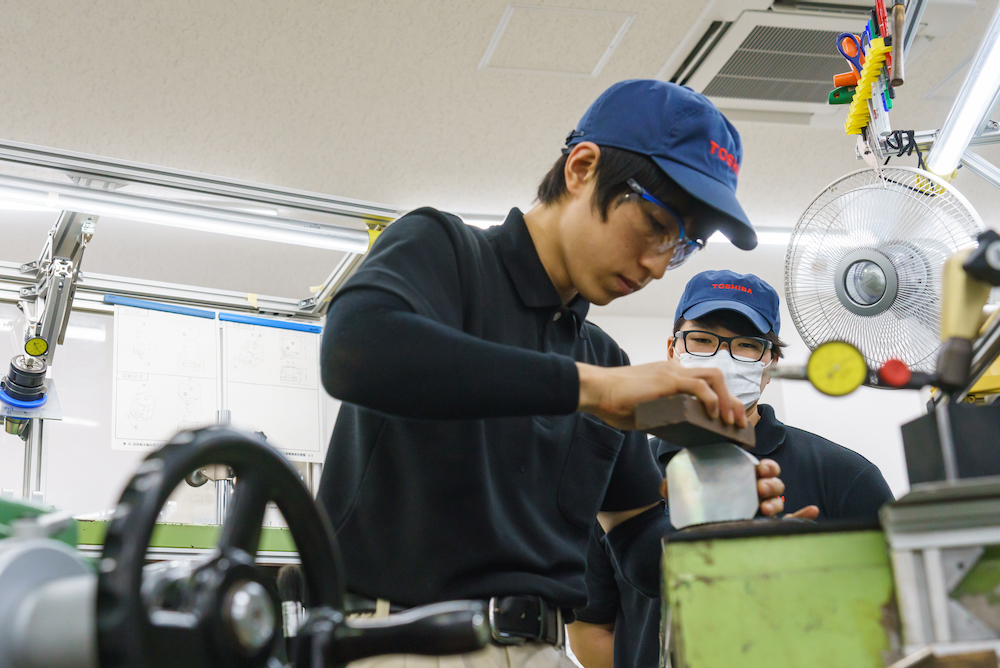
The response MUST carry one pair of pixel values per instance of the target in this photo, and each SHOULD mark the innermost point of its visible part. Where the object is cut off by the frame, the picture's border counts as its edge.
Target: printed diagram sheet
(272, 386)
(165, 376)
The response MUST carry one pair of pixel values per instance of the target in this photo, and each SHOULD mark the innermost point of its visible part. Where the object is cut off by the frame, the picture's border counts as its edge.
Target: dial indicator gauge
(837, 368)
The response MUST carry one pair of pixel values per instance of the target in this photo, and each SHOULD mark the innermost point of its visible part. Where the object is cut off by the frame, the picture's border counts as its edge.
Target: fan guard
(864, 262)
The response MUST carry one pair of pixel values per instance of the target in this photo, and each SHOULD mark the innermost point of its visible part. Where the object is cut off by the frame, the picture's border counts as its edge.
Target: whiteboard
(179, 368)
(272, 385)
(81, 470)
(164, 378)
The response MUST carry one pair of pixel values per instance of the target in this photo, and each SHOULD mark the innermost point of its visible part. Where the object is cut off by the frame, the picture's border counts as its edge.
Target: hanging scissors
(849, 47)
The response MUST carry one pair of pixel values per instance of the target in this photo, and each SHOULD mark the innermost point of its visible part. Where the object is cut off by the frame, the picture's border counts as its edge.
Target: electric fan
(864, 262)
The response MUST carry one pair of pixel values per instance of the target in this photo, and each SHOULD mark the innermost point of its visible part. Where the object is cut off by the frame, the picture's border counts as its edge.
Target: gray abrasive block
(681, 420)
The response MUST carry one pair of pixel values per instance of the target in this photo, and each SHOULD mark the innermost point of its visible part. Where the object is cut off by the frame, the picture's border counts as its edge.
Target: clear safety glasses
(660, 229)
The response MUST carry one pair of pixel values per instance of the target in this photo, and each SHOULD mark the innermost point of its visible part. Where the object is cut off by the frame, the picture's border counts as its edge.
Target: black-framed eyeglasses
(663, 238)
(706, 344)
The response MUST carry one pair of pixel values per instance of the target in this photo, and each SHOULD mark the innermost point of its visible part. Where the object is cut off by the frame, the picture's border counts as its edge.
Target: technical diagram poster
(272, 385)
(165, 375)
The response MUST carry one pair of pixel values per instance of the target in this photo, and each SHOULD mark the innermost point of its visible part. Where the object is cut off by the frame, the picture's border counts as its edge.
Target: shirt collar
(517, 249)
(769, 435)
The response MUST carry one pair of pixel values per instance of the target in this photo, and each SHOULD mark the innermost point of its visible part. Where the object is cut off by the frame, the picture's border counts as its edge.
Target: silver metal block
(711, 483)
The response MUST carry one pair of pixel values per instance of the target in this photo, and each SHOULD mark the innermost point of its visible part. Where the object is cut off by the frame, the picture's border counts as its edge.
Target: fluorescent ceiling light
(181, 215)
(974, 102)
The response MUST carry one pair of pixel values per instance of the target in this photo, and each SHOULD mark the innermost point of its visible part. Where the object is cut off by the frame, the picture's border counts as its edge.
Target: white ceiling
(384, 101)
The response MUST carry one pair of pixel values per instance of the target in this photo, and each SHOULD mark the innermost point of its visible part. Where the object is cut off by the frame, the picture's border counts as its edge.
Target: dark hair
(735, 322)
(615, 167)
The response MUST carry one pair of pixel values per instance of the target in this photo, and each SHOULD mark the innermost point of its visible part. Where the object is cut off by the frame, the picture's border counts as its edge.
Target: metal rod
(914, 13)
(937, 594)
(898, 30)
(28, 445)
(109, 169)
(36, 434)
(985, 351)
(946, 440)
(93, 287)
(972, 105)
(198, 217)
(981, 167)
(223, 495)
(924, 140)
(341, 273)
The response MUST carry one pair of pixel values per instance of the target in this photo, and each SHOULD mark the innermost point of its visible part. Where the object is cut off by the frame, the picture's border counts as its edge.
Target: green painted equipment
(773, 593)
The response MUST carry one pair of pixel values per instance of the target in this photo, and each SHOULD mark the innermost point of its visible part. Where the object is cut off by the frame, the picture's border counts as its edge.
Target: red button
(895, 373)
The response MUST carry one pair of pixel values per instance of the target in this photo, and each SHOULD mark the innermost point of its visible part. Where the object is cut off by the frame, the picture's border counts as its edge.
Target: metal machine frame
(49, 288)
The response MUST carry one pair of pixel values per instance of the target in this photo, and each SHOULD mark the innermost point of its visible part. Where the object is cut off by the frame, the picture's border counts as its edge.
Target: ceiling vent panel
(772, 61)
(780, 64)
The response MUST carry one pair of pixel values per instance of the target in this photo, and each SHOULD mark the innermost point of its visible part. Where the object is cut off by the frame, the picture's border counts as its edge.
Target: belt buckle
(499, 637)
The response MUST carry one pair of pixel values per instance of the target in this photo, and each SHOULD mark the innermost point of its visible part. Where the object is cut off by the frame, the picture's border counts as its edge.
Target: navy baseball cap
(728, 291)
(684, 134)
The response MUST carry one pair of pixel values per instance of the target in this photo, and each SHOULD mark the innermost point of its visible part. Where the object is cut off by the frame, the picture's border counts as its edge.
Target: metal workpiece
(711, 483)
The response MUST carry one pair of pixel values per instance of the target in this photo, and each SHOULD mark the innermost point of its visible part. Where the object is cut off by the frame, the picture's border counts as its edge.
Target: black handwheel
(224, 612)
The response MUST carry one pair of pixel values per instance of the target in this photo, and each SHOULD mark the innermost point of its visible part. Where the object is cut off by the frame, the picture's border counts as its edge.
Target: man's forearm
(592, 644)
(636, 547)
(437, 372)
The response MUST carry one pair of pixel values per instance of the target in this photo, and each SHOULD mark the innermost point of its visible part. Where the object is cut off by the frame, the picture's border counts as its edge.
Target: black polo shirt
(842, 483)
(499, 499)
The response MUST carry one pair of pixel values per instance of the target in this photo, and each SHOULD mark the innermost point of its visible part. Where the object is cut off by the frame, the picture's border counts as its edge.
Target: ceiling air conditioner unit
(775, 60)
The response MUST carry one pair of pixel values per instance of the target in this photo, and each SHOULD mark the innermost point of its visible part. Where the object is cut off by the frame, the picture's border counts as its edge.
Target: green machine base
(778, 593)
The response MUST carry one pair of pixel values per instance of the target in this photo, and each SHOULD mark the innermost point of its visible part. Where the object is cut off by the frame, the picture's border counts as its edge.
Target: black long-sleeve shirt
(458, 467)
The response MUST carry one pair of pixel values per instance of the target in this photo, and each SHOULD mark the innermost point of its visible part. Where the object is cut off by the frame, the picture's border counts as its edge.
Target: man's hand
(807, 513)
(769, 490)
(611, 393)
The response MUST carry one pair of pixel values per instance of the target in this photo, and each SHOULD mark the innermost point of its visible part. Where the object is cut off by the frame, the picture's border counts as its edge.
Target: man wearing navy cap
(730, 322)
(485, 423)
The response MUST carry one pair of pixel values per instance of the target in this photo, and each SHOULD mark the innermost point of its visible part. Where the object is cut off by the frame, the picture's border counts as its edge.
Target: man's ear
(581, 166)
(671, 353)
(767, 376)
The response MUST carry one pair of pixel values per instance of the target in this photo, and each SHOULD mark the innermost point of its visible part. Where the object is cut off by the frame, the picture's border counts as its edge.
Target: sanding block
(681, 419)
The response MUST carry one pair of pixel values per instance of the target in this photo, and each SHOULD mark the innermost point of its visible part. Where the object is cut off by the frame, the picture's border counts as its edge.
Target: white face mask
(742, 378)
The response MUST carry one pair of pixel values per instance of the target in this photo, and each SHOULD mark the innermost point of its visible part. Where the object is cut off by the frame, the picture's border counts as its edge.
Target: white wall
(866, 421)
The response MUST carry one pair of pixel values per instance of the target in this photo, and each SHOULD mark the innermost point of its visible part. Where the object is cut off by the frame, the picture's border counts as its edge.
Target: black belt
(514, 620)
